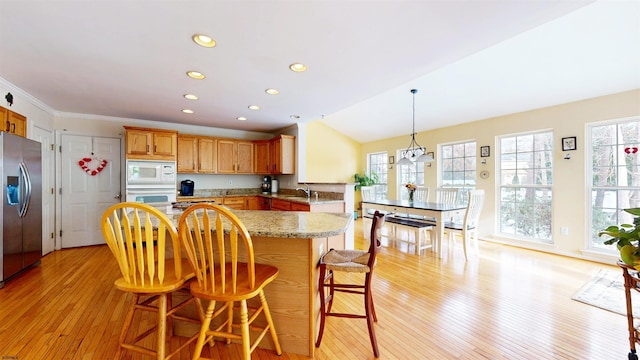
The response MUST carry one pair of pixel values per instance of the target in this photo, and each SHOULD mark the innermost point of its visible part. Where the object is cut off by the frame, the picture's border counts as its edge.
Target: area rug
(606, 291)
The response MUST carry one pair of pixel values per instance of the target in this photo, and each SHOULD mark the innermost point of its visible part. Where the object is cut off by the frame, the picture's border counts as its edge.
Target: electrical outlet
(564, 230)
(230, 182)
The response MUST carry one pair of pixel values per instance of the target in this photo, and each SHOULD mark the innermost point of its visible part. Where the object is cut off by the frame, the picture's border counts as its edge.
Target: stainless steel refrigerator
(21, 213)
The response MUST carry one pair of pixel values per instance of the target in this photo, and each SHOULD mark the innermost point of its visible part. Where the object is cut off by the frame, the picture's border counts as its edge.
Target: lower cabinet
(280, 205)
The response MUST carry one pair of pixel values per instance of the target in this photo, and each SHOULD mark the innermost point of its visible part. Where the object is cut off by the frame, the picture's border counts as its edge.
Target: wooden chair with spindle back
(220, 250)
(145, 244)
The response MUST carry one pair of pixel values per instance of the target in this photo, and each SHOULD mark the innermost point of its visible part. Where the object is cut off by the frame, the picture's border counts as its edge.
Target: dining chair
(145, 244)
(219, 248)
(468, 229)
(422, 194)
(351, 261)
(446, 195)
(367, 193)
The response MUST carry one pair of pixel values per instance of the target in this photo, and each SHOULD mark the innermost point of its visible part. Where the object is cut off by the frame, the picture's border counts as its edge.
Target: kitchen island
(292, 241)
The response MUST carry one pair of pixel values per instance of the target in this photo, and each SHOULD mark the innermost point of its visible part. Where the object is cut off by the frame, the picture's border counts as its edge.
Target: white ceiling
(469, 59)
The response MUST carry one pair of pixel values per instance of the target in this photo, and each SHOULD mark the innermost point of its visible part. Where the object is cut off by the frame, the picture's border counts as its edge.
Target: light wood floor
(507, 304)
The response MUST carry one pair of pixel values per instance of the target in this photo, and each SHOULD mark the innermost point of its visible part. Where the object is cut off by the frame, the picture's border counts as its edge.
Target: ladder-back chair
(468, 229)
(354, 261)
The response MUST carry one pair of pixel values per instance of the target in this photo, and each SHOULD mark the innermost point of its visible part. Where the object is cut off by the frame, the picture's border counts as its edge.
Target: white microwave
(150, 173)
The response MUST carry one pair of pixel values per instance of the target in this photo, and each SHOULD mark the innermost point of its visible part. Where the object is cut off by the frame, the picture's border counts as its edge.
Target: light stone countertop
(288, 224)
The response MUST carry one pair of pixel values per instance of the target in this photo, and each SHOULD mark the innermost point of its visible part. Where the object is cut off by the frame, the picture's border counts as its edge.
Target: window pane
(615, 176)
(526, 176)
(459, 167)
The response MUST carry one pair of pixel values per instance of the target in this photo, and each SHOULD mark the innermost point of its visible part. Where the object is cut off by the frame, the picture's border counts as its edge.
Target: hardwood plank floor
(507, 304)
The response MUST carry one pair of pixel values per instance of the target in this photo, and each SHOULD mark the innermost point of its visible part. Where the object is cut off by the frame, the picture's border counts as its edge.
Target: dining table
(438, 212)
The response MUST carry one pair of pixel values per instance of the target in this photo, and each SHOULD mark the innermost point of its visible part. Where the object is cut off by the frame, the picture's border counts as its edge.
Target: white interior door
(90, 184)
(46, 138)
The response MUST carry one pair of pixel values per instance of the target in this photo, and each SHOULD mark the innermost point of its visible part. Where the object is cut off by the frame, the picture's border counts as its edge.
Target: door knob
(117, 196)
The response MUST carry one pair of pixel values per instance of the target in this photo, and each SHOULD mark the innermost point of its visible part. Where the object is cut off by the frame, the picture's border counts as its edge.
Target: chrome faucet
(307, 191)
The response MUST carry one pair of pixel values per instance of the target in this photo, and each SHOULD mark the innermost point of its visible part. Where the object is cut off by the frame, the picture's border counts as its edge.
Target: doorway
(90, 183)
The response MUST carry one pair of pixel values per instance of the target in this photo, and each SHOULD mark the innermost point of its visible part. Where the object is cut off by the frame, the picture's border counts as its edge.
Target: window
(409, 174)
(377, 163)
(459, 167)
(526, 178)
(615, 176)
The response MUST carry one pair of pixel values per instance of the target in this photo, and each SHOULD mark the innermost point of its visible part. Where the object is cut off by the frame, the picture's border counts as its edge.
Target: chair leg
(162, 326)
(272, 328)
(244, 328)
(127, 325)
(206, 322)
(465, 242)
(229, 320)
(370, 313)
(323, 310)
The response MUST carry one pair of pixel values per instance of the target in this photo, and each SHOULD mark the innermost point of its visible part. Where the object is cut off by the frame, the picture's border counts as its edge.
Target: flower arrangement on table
(411, 187)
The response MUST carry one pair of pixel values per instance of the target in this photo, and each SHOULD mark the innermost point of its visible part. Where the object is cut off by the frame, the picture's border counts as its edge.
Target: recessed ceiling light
(241, 118)
(298, 67)
(187, 111)
(204, 40)
(190, 97)
(195, 75)
(272, 91)
(294, 116)
(254, 107)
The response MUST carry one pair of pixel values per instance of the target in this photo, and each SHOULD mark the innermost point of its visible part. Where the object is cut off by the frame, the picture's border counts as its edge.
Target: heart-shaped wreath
(85, 162)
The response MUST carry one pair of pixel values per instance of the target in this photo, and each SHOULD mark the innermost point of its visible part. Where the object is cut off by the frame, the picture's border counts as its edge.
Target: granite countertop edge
(296, 199)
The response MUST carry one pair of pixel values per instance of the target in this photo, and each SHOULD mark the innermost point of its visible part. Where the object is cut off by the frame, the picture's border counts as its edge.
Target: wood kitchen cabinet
(283, 154)
(275, 156)
(197, 155)
(262, 156)
(280, 205)
(235, 202)
(235, 156)
(13, 123)
(151, 144)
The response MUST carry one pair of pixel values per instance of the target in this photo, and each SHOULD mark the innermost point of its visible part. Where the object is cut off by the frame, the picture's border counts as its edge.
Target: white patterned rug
(606, 291)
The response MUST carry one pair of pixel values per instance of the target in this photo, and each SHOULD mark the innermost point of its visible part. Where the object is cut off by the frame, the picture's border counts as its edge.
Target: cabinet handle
(8, 126)
(13, 128)
(147, 148)
(155, 148)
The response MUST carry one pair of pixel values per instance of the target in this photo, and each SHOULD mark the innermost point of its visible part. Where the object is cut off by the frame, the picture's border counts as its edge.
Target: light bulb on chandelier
(415, 152)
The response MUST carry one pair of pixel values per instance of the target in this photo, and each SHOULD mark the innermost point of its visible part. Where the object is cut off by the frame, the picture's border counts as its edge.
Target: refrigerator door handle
(24, 206)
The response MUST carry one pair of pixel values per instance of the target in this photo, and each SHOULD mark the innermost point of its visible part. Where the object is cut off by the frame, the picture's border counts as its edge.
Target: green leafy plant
(365, 180)
(627, 238)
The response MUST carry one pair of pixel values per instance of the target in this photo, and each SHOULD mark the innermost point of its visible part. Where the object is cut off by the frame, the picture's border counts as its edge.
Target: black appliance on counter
(186, 187)
(266, 185)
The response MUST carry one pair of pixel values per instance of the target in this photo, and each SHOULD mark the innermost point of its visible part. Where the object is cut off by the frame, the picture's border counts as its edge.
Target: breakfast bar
(293, 242)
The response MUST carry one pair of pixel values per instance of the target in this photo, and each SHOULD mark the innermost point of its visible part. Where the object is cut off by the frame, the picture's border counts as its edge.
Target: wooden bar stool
(142, 238)
(360, 261)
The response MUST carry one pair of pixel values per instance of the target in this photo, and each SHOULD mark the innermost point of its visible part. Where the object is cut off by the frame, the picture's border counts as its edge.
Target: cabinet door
(262, 158)
(4, 117)
(164, 144)
(187, 154)
(237, 203)
(18, 124)
(207, 159)
(226, 156)
(299, 207)
(244, 157)
(253, 203)
(138, 142)
(281, 205)
(282, 153)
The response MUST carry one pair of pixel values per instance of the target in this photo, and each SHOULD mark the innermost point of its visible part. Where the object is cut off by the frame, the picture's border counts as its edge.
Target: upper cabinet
(13, 123)
(235, 156)
(197, 154)
(276, 156)
(151, 144)
(283, 154)
(262, 149)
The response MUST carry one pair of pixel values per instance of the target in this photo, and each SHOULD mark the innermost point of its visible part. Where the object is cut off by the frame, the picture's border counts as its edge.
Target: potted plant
(627, 239)
(365, 180)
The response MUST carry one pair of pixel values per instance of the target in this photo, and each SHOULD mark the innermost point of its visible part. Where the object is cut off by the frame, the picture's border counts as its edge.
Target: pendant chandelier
(415, 152)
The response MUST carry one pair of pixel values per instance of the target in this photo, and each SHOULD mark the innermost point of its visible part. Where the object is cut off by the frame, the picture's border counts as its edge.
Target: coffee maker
(266, 185)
